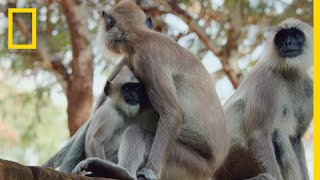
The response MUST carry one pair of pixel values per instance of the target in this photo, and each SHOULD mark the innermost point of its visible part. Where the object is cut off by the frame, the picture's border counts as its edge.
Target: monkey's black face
(289, 42)
(134, 94)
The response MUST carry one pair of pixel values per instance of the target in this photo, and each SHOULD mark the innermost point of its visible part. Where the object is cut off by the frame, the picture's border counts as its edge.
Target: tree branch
(205, 39)
(42, 52)
(231, 70)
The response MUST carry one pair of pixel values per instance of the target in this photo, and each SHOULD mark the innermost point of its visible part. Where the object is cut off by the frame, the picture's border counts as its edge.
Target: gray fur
(73, 152)
(100, 135)
(190, 139)
(64, 158)
(278, 110)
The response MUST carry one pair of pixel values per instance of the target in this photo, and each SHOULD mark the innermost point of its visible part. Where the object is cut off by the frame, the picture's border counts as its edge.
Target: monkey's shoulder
(300, 88)
(154, 44)
(298, 93)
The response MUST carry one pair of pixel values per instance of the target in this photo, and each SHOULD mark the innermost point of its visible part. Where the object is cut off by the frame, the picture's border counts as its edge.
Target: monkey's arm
(286, 156)
(299, 151)
(102, 129)
(163, 97)
(115, 71)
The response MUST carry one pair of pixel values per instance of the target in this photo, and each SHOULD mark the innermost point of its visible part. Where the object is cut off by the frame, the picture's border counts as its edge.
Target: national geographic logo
(33, 44)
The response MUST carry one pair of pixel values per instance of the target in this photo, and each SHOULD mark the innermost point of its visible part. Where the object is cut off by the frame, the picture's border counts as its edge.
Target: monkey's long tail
(76, 152)
(59, 157)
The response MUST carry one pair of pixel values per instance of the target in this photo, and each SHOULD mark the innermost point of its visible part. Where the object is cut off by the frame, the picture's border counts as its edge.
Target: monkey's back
(201, 108)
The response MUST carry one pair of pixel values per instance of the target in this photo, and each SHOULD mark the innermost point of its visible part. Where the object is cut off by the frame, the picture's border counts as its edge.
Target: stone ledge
(10, 170)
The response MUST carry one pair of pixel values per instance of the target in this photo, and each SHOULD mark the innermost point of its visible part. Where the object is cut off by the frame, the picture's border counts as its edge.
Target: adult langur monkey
(271, 110)
(77, 149)
(190, 141)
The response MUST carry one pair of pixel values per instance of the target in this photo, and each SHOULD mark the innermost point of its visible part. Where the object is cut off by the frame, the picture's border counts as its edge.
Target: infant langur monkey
(190, 140)
(272, 109)
(127, 103)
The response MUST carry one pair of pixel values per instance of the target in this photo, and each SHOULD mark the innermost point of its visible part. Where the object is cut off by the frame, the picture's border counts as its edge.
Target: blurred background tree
(40, 89)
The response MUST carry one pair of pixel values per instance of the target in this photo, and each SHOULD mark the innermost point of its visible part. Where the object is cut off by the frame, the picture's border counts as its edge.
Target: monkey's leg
(133, 152)
(262, 148)
(134, 148)
(299, 151)
(102, 168)
(136, 145)
(96, 149)
(285, 155)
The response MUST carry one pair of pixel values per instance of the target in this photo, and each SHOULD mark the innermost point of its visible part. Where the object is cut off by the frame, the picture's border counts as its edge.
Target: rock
(10, 170)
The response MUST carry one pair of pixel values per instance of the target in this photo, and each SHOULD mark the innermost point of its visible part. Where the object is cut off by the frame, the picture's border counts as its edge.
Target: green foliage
(29, 122)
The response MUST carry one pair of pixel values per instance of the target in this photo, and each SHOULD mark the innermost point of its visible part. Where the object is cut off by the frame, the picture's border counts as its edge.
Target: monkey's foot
(102, 168)
(263, 176)
(146, 174)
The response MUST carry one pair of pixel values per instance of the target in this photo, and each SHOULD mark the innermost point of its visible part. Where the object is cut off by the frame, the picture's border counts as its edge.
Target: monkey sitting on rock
(272, 109)
(74, 151)
(127, 103)
(190, 140)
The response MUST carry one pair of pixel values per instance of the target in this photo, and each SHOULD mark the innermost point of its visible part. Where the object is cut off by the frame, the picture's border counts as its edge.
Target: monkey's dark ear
(103, 13)
(149, 23)
(107, 88)
(110, 22)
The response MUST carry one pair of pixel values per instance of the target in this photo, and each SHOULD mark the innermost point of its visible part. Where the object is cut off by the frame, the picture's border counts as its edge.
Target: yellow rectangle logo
(33, 44)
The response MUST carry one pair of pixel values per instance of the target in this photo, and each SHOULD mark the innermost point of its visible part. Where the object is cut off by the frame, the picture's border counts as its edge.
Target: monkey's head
(290, 45)
(120, 24)
(127, 93)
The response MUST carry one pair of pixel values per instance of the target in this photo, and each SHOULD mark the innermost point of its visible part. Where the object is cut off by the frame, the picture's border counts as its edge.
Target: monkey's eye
(110, 22)
(149, 23)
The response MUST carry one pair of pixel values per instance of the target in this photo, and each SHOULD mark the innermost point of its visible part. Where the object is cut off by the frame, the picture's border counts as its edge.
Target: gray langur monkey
(127, 103)
(272, 109)
(190, 141)
(74, 151)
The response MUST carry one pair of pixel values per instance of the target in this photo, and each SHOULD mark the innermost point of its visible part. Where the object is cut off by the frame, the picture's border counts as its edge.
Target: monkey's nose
(290, 48)
(288, 43)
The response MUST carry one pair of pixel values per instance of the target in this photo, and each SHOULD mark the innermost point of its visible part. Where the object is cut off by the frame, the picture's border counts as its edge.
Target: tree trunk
(79, 92)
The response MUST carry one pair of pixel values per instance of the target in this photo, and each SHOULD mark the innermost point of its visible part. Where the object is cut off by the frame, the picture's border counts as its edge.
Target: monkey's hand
(102, 168)
(85, 165)
(146, 174)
